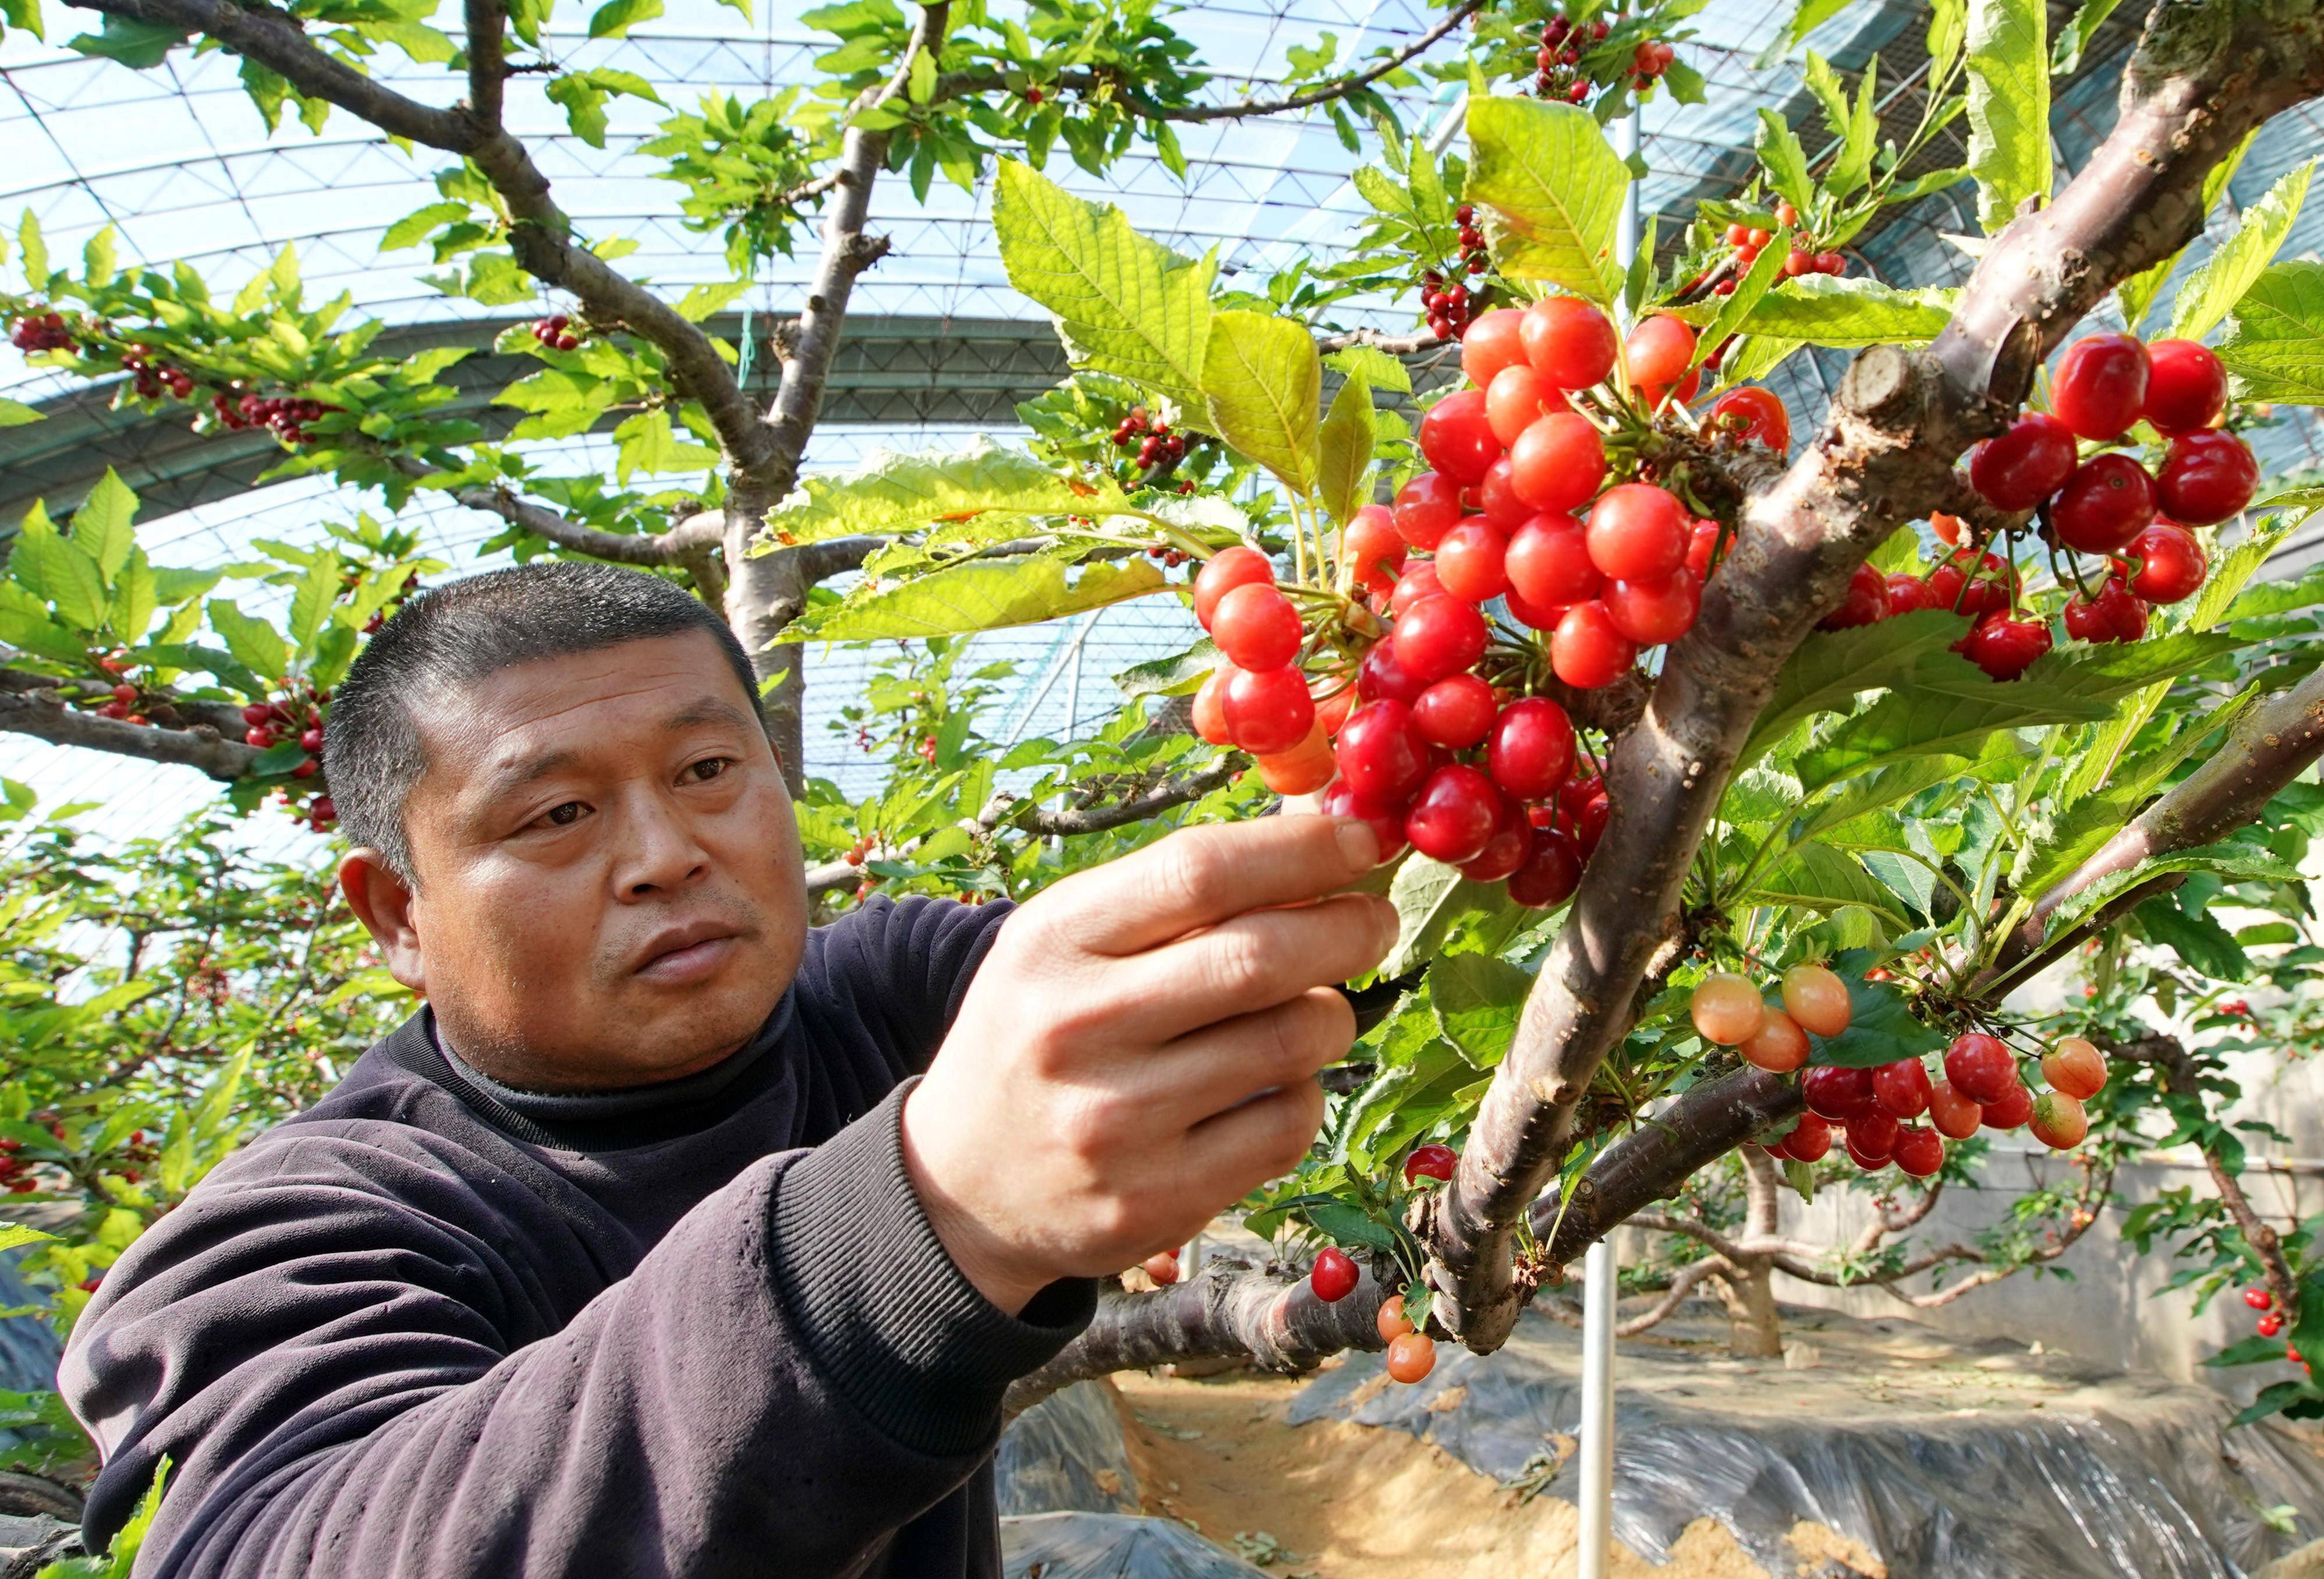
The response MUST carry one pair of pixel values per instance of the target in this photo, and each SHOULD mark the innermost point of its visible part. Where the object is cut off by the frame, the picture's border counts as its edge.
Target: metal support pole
(1599, 1288)
(1596, 1493)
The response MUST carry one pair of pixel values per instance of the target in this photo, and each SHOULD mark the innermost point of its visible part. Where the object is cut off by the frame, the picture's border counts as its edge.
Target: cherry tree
(1732, 796)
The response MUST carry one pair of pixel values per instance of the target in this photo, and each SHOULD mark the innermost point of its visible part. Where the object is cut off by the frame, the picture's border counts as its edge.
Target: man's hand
(1138, 1050)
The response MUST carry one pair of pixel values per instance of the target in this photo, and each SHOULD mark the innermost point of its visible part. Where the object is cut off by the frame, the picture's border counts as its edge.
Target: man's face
(608, 889)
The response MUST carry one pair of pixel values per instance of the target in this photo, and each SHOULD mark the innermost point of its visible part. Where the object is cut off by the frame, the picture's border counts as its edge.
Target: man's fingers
(1202, 876)
(1264, 1139)
(1224, 1066)
(1250, 964)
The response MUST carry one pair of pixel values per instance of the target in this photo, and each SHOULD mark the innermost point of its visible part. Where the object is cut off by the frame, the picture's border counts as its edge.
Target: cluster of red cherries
(1982, 1087)
(1749, 241)
(555, 332)
(1411, 1354)
(2271, 1323)
(152, 375)
(40, 330)
(1475, 259)
(1450, 304)
(2107, 504)
(1562, 43)
(284, 416)
(1157, 445)
(296, 715)
(16, 1174)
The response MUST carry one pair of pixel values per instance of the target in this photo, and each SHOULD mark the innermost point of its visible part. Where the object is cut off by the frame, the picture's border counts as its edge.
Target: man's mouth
(681, 955)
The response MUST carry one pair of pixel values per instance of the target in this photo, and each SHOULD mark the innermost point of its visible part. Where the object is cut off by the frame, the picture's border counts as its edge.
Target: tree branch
(2208, 72)
(43, 714)
(1034, 818)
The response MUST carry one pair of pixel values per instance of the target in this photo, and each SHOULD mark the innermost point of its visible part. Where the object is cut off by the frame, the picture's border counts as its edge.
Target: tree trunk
(1749, 1291)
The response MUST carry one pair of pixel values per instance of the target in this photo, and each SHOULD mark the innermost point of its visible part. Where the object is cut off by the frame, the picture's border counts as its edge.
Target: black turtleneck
(437, 1326)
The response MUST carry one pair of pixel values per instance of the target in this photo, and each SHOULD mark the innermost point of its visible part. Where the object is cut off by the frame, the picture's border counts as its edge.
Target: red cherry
(2259, 1299)
(1652, 613)
(1569, 341)
(2074, 1065)
(1550, 874)
(1637, 532)
(1388, 822)
(1226, 570)
(1751, 413)
(1518, 397)
(1590, 825)
(1268, 710)
(1918, 1152)
(1456, 712)
(1980, 1068)
(1457, 439)
(2170, 564)
(1532, 749)
(1374, 549)
(1454, 815)
(1873, 1133)
(307, 769)
(1380, 677)
(2268, 1326)
(1334, 1277)
(2186, 387)
(1548, 562)
(1418, 581)
(1955, 1117)
(1586, 650)
(1504, 511)
(1948, 528)
(1910, 594)
(1866, 601)
(1438, 636)
(1701, 543)
(1508, 849)
(1257, 627)
(1470, 561)
(312, 740)
(2025, 464)
(1493, 343)
(2013, 1108)
(1902, 1088)
(1659, 350)
(1163, 1267)
(1431, 1161)
(2114, 616)
(1382, 753)
(2206, 477)
(1864, 1159)
(2100, 385)
(2006, 647)
(1531, 613)
(1427, 508)
(2107, 502)
(258, 714)
(1650, 395)
(1411, 1357)
(1210, 712)
(1811, 1141)
(1557, 463)
(258, 737)
(1835, 1092)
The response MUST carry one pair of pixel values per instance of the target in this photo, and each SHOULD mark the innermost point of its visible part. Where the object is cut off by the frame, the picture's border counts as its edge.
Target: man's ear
(382, 902)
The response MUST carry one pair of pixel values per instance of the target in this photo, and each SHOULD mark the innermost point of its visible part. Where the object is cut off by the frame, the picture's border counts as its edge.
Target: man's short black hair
(458, 633)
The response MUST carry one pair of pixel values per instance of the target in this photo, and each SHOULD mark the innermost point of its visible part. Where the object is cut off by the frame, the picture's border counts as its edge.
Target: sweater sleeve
(903, 967)
(321, 1345)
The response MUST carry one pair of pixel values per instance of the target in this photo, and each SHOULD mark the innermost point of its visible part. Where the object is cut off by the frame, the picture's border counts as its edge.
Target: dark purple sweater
(437, 1327)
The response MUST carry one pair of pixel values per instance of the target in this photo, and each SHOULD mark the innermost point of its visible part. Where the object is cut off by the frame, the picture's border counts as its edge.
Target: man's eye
(709, 768)
(570, 812)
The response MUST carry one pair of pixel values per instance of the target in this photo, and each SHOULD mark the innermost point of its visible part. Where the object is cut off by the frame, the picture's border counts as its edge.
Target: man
(646, 1247)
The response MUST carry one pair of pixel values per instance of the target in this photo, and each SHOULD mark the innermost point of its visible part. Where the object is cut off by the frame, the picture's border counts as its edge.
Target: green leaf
(36, 633)
(894, 494)
(22, 14)
(1375, 366)
(97, 259)
(2008, 106)
(1881, 1029)
(2202, 943)
(201, 660)
(1738, 305)
(2215, 288)
(922, 84)
(35, 250)
(1123, 304)
(1429, 897)
(13, 1234)
(1342, 1223)
(2235, 859)
(256, 645)
(646, 443)
(410, 230)
(583, 100)
(1345, 460)
(1818, 878)
(1178, 675)
(57, 571)
(1832, 668)
(310, 604)
(2275, 345)
(134, 599)
(16, 413)
(980, 595)
(1554, 187)
(1477, 1000)
(102, 527)
(1263, 379)
(1824, 309)
(2279, 597)
(1785, 161)
(139, 45)
(614, 19)
(703, 300)
(2066, 55)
